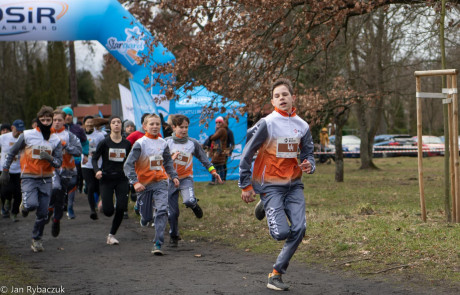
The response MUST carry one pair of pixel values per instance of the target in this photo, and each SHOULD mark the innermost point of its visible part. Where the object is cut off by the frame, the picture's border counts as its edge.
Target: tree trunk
(447, 200)
(73, 76)
(340, 121)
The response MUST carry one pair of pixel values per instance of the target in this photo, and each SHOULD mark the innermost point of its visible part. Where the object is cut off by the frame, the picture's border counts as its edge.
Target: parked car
(350, 145)
(394, 145)
(432, 145)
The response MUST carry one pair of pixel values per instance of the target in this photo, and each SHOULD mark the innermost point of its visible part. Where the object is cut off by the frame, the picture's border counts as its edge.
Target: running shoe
(23, 210)
(70, 213)
(5, 213)
(144, 223)
(55, 228)
(93, 215)
(276, 283)
(157, 249)
(8, 205)
(111, 240)
(197, 210)
(14, 217)
(37, 246)
(173, 241)
(125, 215)
(259, 211)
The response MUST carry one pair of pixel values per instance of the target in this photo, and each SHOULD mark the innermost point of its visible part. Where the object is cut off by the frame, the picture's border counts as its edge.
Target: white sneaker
(37, 246)
(111, 240)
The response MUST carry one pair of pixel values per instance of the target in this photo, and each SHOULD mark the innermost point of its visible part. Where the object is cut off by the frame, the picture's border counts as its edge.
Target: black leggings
(92, 184)
(120, 186)
(12, 192)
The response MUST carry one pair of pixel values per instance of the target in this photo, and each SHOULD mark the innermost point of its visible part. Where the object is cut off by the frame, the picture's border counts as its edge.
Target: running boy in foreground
(147, 168)
(277, 175)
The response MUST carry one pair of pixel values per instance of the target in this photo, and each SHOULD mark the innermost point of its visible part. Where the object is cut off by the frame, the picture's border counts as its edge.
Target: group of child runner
(42, 162)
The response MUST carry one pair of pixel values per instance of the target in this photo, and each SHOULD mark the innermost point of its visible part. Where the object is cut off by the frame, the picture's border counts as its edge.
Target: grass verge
(369, 225)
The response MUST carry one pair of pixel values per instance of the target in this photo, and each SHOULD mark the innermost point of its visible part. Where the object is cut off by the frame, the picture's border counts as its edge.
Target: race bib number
(156, 162)
(36, 149)
(117, 155)
(182, 158)
(287, 147)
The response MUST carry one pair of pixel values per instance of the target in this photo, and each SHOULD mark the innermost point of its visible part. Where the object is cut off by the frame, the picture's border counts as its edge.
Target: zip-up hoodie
(277, 137)
(30, 144)
(71, 148)
(149, 161)
(184, 161)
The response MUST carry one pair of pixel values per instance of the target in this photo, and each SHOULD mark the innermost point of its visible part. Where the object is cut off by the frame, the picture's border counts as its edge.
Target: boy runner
(41, 152)
(147, 167)
(183, 149)
(277, 175)
(65, 177)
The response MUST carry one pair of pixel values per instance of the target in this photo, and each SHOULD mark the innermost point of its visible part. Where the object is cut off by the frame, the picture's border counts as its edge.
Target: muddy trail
(80, 262)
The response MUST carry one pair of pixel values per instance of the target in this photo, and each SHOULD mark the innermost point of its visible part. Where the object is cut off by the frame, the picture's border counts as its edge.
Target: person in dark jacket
(219, 150)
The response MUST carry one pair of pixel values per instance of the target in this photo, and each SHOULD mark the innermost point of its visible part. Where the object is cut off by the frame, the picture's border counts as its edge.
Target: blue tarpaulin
(190, 104)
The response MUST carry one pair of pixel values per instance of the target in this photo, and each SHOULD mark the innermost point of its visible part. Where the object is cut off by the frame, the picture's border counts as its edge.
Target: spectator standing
(219, 150)
(324, 142)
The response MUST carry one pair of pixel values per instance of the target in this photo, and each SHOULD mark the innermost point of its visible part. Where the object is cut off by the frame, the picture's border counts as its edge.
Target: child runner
(92, 183)
(12, 190)
(65, 177)
(277, 175)
(113, 150)
(41, 152)
(183, 149)
(147, 168)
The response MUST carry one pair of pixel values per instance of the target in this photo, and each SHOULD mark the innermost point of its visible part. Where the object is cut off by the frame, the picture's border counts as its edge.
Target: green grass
(15, 273)
(372, 221)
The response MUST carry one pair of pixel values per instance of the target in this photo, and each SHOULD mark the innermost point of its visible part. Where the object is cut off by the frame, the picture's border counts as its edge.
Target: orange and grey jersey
(184, 161)
(30, 144)
(93, 140)
(71, 147)
(277, 137)
(149, 161)
(6, 142)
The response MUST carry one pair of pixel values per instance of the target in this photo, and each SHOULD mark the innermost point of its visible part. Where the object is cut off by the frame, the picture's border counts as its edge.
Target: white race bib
(182, 158)
(117, 155)
(36, 149)
(287, 147)
(156, 162)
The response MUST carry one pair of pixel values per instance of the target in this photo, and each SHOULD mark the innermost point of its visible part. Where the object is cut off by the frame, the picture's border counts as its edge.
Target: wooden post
(455, 124)
(452, 155)
(420, 151)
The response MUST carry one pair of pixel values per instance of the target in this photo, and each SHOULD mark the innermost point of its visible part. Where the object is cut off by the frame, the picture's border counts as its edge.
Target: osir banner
(103, 20)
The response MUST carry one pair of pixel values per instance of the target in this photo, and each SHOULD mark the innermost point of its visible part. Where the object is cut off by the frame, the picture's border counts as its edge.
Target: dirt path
(81, 262)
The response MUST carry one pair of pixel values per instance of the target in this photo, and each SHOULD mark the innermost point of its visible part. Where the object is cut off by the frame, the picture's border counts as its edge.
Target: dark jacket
(219, 147)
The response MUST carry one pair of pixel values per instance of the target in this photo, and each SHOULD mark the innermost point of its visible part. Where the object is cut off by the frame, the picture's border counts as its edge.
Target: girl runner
(113, 150)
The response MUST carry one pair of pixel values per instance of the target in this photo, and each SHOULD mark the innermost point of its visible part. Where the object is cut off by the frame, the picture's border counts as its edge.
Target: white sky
(87, 60)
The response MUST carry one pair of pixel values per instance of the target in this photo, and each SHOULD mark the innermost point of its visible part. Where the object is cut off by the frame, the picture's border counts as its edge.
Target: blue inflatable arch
(108, 22)
(103, 20)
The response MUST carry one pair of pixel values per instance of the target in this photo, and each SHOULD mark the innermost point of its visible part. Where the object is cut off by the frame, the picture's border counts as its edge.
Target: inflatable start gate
(108, 22)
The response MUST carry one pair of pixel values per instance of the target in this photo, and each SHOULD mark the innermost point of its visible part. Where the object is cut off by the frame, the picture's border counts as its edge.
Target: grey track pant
(283, 203)
(155, 196)
(36, 194)
(188, 199)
